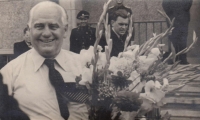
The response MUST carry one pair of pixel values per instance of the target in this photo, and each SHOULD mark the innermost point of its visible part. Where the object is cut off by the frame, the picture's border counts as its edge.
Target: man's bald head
(43, 6)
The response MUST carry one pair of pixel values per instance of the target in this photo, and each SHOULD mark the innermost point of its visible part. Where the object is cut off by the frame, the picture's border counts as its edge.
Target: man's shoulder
(110, 9)
(70, 56)
(15, 63)
(21, 57)
(19, 43)
(92, 28)
(68, 53)
(75, 29)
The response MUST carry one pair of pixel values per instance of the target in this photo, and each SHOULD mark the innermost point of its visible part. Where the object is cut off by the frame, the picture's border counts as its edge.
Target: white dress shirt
(28, 81)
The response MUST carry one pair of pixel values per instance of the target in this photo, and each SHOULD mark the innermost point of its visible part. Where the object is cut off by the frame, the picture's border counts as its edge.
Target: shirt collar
(39, 60)
(115, 33)
(61, 60)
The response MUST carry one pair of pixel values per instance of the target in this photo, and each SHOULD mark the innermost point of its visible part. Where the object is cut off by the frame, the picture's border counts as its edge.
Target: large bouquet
(131, 84)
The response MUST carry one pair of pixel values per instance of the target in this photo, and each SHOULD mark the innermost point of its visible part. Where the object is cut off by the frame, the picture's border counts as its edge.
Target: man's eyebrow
(123, 23)
(53, 23)
(37, 23)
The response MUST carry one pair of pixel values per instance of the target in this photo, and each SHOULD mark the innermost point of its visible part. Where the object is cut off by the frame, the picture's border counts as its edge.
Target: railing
(145, 29)
(5, 56)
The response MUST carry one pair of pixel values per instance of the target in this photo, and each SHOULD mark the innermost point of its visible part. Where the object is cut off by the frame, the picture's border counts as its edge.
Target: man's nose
(124, 26)
(46, 32)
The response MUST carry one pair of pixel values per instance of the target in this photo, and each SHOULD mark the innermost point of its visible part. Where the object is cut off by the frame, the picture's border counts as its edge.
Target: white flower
(99, 48)
(120, 64)
(144, 63)
(135, 77)
(146, 106)
(86, 75)
(155, 52)
(127, 115)
(152, 93)
(133, 47)
(85, 66)
(165, 83)
(157, 84)
(139, 87)
(86, 56)
(152, 97)
(130, 53)
(101, 63)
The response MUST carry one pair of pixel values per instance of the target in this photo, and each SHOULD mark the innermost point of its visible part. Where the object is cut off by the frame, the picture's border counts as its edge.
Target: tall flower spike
(107, 30)
(129, 33)
(189, 48)
(98, 36)
(146, 45)
(165, 15)
(194, 41)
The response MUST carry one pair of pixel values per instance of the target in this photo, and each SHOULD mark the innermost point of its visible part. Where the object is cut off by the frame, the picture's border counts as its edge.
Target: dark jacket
(9, 109)
(118, 43)
(178, 9)
(20, 48)
(82, 38)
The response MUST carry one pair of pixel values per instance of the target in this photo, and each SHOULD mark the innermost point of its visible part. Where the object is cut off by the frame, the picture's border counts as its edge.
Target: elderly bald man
(37, 78)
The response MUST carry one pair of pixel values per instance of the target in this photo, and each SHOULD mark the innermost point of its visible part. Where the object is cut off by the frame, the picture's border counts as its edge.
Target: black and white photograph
(99, 60)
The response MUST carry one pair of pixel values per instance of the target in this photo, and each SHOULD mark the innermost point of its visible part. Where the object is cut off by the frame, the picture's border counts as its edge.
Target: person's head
(47, 26)
(83, 17)
(26, 36)
(119, 1)
(120, 21)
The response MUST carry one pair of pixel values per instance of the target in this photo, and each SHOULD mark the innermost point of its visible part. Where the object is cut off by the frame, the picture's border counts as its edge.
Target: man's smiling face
(47, 31)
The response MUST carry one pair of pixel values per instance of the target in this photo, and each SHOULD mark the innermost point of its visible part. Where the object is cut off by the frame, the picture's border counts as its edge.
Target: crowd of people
(31, 85)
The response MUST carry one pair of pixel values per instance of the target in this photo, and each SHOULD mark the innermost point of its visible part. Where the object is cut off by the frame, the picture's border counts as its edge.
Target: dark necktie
(58, 83)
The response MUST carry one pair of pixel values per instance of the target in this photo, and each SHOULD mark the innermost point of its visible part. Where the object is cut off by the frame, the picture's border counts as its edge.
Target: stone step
(182, 113)
(182, 100)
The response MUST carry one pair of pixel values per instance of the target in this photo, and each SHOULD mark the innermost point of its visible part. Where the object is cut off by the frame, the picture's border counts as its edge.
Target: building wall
(14, 18)
(143, 10)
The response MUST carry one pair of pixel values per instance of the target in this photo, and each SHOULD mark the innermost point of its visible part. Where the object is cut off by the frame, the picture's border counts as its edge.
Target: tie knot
(49, 63)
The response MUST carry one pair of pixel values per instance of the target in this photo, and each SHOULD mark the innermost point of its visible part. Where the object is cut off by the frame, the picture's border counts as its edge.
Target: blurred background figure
(119, 31)
(23, 46)
(180, 10)
(83, 36)
(119, 19)
(118, 5)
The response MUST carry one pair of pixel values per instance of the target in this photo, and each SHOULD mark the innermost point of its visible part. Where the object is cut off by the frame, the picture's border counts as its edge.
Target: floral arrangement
(133, 83)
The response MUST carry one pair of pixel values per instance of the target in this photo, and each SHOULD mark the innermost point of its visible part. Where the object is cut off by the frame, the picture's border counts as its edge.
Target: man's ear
(112, 23)
(65, 28)
(28, 28)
